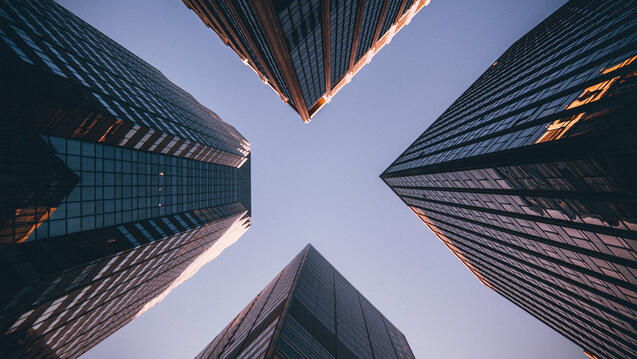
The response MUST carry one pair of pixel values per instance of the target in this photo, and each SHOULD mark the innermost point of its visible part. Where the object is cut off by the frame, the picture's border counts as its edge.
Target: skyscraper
(115, 184)
(530, 176)
(309, 311)
(306, 50)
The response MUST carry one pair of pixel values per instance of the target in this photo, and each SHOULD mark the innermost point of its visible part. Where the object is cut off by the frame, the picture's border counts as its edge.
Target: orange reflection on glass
(25, 221)
(560, 127)
(620, 65)
(111, 129)
(317, 106)
(87, 125)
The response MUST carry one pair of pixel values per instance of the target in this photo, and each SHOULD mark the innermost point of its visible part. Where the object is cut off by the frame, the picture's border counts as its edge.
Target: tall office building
(530, 177)
(309, 311)
(306, 50)
(115, 184)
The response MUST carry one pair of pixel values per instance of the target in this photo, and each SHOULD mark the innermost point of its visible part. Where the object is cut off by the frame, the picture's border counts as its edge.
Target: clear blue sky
(319, 183)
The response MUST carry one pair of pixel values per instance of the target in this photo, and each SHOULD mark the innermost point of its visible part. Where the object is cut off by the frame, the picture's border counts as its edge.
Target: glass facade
(529, 177)
(256, 33)
(341, 37)
(115, 184)
(306, 50)
(309, 311)
(119, 185)
(371, 19)
(301, 25)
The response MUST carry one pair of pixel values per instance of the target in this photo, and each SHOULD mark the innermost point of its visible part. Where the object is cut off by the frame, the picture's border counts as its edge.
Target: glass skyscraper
(115, 184)
(306, 50)
(530, 177)
(309, 311)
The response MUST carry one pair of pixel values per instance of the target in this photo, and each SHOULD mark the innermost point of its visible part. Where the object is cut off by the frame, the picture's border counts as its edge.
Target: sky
(318, 183)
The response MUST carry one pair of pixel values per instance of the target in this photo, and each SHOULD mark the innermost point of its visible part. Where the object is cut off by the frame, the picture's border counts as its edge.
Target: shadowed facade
(306, 50)
(115, 184)
(309, 311)
(529, 178)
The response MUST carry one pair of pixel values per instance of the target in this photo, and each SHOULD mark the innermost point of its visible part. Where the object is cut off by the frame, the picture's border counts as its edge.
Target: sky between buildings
(319, 183)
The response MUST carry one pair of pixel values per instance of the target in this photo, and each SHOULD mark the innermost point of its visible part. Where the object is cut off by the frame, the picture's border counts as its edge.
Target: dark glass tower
(530, 177)
(306, 50)
(115, 184)
(309, 311)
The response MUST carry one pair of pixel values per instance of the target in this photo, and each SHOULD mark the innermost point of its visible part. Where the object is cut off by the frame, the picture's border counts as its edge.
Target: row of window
(119, 290)
(565, 36)
(121, 185)
(130, 88)
(555, 268)
(544, 297)
(301, 25)
(433, 141)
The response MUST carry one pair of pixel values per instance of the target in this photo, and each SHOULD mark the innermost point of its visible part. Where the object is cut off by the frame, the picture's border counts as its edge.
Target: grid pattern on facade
(293, 45)
(350, 327)
(265, 306)
(392, 13)
(35, 33)
(242, 36)
(319, 318)
(341, 37)
(77, 307)
(371, 16)
(28, 194)
(324, 317)
(257, 33)
(530, 93)
(24, 266)
(515, 273)
(118, 185)
(213, 17)
(129, 185)
(301, 25)
(576, 244)
(528, 178)
(127, 88)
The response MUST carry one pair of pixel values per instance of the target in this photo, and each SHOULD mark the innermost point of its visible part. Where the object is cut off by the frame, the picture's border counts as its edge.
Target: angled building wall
(115, 184)
(309, 311)
(530, 176)
(306, 50)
